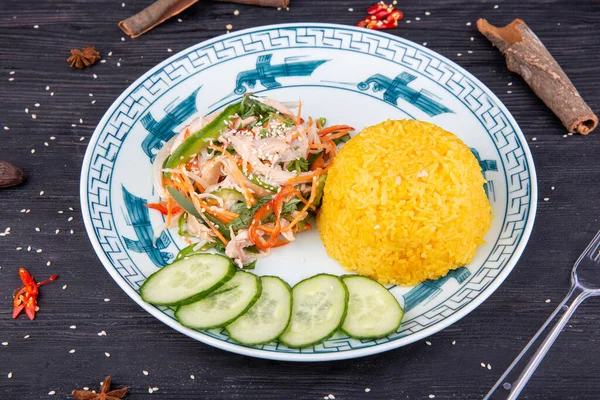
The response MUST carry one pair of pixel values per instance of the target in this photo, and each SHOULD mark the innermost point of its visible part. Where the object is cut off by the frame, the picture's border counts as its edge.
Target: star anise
(104, 394)
(83, 58)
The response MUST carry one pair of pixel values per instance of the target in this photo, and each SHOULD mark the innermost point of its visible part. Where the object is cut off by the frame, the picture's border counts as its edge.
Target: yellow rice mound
(404, 202)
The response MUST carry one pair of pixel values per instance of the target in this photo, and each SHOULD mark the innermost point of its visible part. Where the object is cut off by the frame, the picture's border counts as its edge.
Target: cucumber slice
(268, 317)
(224, 305)
(373, 312)
(319, 305)
(229, 194)
(187, 280)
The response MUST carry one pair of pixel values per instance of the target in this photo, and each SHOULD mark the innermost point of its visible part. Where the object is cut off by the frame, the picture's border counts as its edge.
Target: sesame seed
(552, 188)
(122, 39)
(81, 139)
(72, 351)
(509, 91)
(236, 12)
(56, 232)
(52, 393)
(417, 18)
(482, 365)
(52, 137)
(424, 43)
(489, 366)
(9, 375)
(546, 198)
(19, 248)
(107, 354)
(51, 93)
(36, 26)
(472, 38)
(70, 208)
(37, 229)
(229, 27)
(432, 396)
(428, 343)
(47, 87)
(192, 377)
(179, 20)
(93, 101)
(507, 386)
(28, 248)
(38, 251)
(470, 51)
(459, 54)
(118, 64)
(11, 73)
(408, 21)
(145, 372)
(71, 231)
(367, 390)
(453, 342)
(4, 343)
(73, 327)
(48, 263)
(6, 128)
(496, 6)
(34, 116)
(70, 219)
(427, 13)
(169, 51)
(123, 5)
(509, 84)
(533, 139)
(331, 396)
(468, 24)
(564, 135)
(11, 79)
(106, 300)
(26, 336)
(150, 390)
(64, 287)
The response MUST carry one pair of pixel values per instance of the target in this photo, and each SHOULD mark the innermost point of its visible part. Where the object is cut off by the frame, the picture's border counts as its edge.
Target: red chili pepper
(272, 206)
(26, 297)
(162, 207)
(381, 16)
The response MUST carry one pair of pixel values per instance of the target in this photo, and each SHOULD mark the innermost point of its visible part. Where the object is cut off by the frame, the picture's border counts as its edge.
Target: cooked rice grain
(404, 202)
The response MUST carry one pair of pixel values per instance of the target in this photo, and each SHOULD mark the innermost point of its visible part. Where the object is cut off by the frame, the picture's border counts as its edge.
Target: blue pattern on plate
(139, 218)
(397, 88)
(515, 166)
(486, 166)
(267, 73)
(162, 131)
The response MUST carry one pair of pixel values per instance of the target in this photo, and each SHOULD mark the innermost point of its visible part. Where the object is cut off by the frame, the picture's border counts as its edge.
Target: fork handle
(514, 379)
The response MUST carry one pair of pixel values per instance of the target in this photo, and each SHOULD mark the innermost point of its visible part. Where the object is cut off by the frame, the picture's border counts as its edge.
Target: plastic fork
(585, 279)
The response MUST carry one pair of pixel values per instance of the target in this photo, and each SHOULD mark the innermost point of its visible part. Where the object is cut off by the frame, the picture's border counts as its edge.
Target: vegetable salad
(245, 180)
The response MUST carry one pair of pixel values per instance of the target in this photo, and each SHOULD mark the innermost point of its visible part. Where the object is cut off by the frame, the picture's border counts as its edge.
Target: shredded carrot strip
(305, 178)
(335, 128)
(318, 163)
(299, 217)
(319, 124)
(187, 132)
(335, 135)
(310, 121)
(298, 118)
(302, 199)
(317, 146)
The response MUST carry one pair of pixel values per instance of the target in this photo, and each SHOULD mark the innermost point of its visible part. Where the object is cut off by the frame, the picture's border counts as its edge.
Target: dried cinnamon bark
(527, 56)
(161, 10)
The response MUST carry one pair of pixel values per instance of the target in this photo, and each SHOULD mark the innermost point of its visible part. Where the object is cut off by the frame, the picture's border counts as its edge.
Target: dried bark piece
(161, 10)
(83, 58)
(10, 175)
(527, 56)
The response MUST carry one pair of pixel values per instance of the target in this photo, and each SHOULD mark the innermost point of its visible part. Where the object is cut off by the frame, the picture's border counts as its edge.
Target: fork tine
(593, 249)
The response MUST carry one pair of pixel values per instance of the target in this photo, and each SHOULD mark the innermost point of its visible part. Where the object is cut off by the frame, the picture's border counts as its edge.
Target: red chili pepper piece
(381, 16)
(26, 296)
(162, 207)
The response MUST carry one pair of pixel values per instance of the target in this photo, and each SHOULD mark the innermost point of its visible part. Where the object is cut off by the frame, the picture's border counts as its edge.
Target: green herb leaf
(245, 218)
(323, 121)
(312, 158)
(183, 202)
(300, 165)
(250, 265)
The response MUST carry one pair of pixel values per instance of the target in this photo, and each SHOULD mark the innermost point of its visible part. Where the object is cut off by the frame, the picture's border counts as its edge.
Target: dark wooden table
(62, 349)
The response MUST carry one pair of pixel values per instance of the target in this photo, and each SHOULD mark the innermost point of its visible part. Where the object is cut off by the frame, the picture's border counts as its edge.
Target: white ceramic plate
(348, 75)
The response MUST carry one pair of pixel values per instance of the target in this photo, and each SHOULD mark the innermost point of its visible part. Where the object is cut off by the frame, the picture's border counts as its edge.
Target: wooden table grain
(48, 112)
